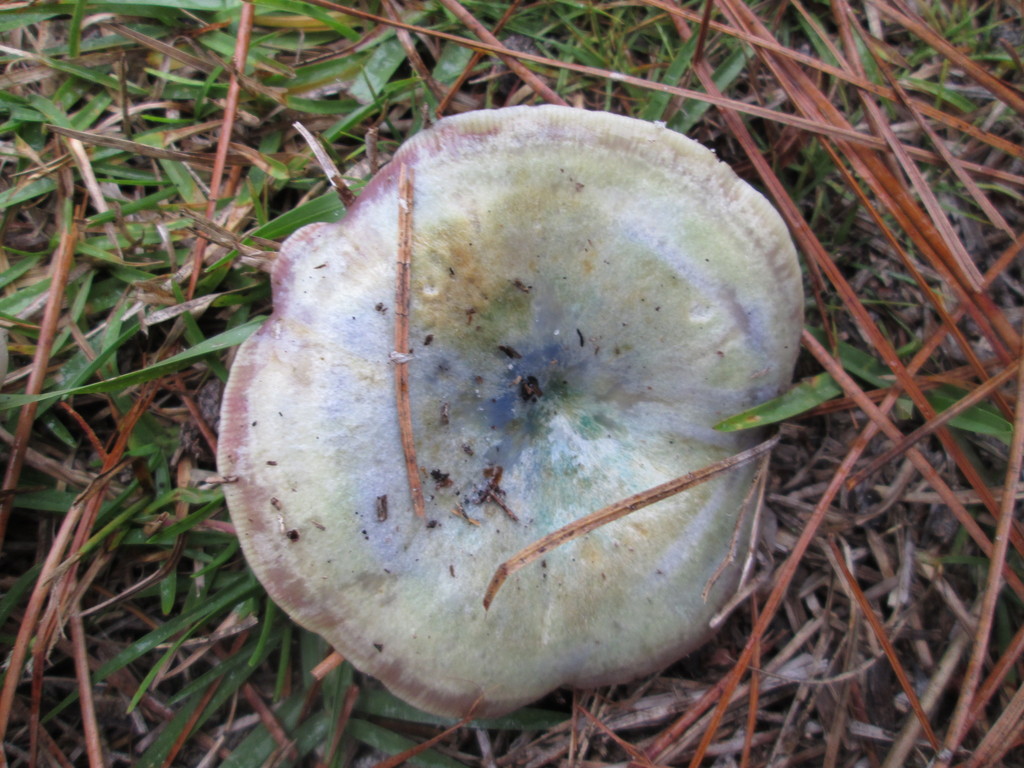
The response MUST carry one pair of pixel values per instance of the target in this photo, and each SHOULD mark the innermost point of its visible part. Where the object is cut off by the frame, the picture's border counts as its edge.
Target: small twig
(949, 665)
(412, 55)
(728, 685)
(51, 467)
(331, 662)
(880, 421)
(460, 513)
(193, 718)
(199, 645)
(492, 495)
(615, 511)
(997, 676)
(212, 232)
(1002, 91)
(47, 575)
(400, 356)
(372, 151)
(154, 578)
(88, 176)
(754, 692)
(198, 418)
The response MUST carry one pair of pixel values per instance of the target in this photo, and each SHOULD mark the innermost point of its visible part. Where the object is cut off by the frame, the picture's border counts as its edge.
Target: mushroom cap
(589, 295)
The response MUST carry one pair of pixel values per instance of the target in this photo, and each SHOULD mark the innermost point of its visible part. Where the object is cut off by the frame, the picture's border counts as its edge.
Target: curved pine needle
(400, 356)
(613, 512)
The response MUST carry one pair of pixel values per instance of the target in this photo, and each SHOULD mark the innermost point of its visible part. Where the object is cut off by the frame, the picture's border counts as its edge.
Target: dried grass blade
(326, 164)
(348, 705)
(702, 36)
(1006, 258)
(786, 573)
(870, 167)
(754, 694)
(888, 354)
(413, 56)
(88, 176)
(667, 738)
(965, 269)
(400, 355)
(193, 718)
(808, 98)
(136, 148)
(636, 754)
(615, 511)
(162, 48)
(951, 160)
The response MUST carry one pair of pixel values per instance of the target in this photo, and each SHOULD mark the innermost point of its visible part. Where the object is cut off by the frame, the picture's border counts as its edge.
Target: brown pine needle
(400, 357)
(613, 512)
(994, 583)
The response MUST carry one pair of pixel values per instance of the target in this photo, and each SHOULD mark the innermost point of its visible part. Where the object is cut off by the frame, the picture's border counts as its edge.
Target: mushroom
(588, 295)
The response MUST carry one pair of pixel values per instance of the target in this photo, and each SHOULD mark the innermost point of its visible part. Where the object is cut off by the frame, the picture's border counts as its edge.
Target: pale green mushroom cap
(647, 291)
